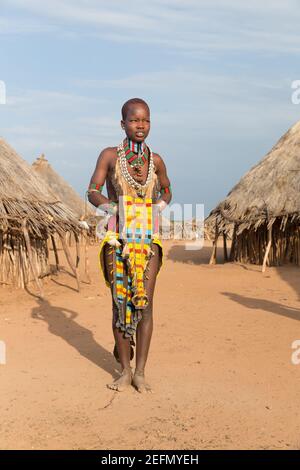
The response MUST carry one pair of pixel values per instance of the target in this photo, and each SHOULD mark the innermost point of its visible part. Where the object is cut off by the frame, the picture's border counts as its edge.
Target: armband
(166, 190)
(95, 187)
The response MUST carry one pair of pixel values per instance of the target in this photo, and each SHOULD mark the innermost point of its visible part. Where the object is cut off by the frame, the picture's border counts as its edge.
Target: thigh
(150, 274)
(152, 271)
(108, 257)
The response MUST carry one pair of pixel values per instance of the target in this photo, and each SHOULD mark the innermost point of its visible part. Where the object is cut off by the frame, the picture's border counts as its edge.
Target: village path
(220, 362)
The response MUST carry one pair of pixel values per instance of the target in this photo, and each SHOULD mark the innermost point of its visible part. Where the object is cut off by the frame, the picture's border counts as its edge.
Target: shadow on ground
(61, 322)
(267, 305)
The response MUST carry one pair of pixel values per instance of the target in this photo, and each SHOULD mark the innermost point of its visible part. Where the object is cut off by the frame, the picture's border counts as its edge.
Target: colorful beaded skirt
(131, 250)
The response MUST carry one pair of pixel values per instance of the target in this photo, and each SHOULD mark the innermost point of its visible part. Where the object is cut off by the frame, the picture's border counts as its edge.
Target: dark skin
(137, 127)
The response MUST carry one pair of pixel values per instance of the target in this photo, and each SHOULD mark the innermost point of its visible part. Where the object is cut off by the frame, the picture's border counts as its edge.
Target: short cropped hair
(131, 102)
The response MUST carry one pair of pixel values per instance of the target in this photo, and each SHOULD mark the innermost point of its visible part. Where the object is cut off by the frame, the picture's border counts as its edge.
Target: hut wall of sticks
(30, 216)
(263, 210)
(191, 229)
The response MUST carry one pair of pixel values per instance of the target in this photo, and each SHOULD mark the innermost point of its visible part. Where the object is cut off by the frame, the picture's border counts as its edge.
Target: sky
(217, 75)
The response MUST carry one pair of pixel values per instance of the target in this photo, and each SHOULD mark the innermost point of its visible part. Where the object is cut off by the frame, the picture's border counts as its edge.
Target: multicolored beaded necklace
(139, 188)
(135, 152)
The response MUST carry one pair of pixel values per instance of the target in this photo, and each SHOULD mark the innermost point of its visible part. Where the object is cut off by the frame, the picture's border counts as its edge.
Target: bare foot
(123, 382)
(140, 383)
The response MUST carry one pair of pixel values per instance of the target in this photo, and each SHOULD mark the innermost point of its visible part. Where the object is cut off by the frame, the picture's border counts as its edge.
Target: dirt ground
(220, 362)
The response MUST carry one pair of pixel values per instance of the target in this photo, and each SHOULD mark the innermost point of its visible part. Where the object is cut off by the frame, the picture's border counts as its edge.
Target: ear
(122, 124)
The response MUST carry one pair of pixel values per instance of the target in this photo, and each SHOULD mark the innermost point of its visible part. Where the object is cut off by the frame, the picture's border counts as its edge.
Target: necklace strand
(140, 188)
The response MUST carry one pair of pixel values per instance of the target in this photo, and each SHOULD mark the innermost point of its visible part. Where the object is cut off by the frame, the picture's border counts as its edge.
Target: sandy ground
(220, 362)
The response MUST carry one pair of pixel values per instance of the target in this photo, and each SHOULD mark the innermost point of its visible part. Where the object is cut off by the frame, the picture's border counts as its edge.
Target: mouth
(140, 134)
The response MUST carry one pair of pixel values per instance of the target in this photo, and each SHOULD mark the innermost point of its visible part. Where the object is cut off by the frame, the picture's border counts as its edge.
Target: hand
(109, 207)
(161, 205)
(112, 223)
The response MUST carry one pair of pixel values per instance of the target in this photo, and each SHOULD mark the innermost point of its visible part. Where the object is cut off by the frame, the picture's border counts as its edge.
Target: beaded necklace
(136, 153)
(139, 188)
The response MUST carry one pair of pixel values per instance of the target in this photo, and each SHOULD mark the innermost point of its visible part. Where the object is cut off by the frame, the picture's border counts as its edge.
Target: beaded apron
(132, 250)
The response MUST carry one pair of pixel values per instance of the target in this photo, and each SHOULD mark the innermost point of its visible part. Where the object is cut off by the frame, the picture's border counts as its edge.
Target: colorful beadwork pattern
(136, 153)
(96, 187)
(138, 233)
(130, 260)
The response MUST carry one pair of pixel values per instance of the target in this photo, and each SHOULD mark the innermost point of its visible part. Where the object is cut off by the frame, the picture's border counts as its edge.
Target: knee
(148, 312)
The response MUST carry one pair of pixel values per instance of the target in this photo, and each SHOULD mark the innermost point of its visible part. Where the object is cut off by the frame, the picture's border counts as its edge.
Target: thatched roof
(24, 196)
(270, 190)
(61, 188)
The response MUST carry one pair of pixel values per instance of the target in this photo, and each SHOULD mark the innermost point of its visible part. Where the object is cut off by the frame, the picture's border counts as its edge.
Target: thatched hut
(70, 198)
(30, 215)
(62, 189)
(263, 210)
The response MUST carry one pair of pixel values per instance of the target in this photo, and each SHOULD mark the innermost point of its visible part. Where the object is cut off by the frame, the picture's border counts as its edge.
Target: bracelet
(166, 190)
(95, 188)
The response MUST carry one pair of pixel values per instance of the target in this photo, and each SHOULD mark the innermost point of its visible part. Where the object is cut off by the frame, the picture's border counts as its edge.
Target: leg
(123, 344)
(145, 326)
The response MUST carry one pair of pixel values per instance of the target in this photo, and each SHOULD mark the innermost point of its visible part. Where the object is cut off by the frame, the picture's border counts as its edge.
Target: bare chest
(139, 174)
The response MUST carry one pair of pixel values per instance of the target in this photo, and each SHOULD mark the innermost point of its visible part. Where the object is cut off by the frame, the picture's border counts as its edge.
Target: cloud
(180, 82)
(32, 131)
(88, 12)
(194, 101)
(190, 27)
(9, 25)
(50, 100)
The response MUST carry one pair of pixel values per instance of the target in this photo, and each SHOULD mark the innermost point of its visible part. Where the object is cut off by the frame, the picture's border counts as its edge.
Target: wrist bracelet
(95, 188)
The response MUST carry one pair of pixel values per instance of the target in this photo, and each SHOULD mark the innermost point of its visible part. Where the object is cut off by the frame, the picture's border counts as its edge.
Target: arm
(97, 182)
(165, 193)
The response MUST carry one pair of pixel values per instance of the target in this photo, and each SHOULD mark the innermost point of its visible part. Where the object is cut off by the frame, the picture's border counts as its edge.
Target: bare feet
(139, 382)
(123, 382)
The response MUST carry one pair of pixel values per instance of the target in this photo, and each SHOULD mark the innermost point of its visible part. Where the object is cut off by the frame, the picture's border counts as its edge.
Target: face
(137, 123)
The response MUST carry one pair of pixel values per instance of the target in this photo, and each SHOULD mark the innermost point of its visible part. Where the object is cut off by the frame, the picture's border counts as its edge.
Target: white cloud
(87, 12)
(47, 100)
(178, 81)
(195, 100)
(31, 131)
(9, 25)
(193, 27)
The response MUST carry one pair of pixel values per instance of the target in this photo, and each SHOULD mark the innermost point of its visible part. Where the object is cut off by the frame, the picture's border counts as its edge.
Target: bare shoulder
(158, 161)
(107, 156)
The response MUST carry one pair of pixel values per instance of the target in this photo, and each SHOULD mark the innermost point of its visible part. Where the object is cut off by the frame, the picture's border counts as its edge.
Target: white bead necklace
(140, 188)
